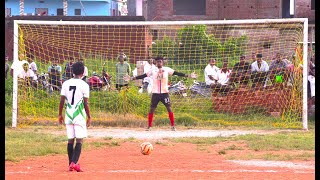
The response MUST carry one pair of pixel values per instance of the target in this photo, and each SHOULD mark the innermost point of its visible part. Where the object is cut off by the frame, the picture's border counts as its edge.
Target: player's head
(78, 68)
(278, 57)
(159, 61)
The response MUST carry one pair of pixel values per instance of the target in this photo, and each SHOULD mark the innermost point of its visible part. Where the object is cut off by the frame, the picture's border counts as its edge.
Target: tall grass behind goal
(187, 46)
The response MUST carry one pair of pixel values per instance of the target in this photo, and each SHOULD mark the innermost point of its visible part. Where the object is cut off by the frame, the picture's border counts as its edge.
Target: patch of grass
(21, 145)
(286, 141)
(199, 140)
(233, 147)
(107, 138)
(221, 152)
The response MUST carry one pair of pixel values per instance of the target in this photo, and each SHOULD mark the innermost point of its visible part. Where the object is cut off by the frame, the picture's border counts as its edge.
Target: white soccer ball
(146, 148)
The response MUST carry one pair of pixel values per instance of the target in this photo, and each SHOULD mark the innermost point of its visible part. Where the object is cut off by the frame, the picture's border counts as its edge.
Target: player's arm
(192, 75)
(62, 100)
(87, 109)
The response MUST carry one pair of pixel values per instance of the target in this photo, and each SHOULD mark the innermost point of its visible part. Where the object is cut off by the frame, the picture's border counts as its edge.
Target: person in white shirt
(16, 66)
(85, 73)
(259, 71)
(223, 76)
(28, 75)
(32, 64)
(160, 90)
(210, 72)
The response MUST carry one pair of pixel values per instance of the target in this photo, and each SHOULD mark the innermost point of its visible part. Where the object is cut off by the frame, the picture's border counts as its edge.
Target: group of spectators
(223, 79)
(258, 72)
(26, 69)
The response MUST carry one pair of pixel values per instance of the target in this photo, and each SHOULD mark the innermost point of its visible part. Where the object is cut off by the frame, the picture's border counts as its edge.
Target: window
(77, 12)
(59, 12)
(41, 11)
(8, 12)
(313, 4)
(189, 7)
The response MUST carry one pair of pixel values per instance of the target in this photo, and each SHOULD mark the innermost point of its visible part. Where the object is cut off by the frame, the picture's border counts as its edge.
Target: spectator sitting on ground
(278, 70)
(68, 70)
(241, 72)
(54, 72)
(223, 76)
(259, 71)
(210, 73)
(28, 75)
(16, 66)
(32, 64)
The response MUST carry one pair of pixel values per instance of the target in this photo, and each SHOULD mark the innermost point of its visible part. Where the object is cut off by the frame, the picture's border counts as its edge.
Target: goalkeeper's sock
(171, 117)
(150, 117)
(70, 152)
(77, 152)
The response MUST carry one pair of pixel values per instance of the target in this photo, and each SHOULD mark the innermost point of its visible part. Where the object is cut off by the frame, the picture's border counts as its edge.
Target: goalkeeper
(160, 90)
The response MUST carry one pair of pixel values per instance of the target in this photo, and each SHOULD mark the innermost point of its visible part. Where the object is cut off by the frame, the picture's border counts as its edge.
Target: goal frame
(207, 22)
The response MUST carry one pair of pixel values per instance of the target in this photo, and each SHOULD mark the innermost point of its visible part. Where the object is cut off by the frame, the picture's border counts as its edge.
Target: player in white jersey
(75, 93)
(160, 89)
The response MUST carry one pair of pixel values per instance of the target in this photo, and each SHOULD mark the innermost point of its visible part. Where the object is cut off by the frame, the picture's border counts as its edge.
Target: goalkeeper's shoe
(173, 128)
(148, 128)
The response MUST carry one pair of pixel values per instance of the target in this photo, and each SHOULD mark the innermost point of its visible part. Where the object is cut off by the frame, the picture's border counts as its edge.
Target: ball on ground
(146, 148)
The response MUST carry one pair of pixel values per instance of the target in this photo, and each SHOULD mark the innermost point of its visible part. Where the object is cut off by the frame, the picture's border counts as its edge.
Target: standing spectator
(122, 69)
(210, 72)
(259, 71)
(241, 72)
(85, 73)
(32, 64)
(278, 70)
(7, 66)
(311, 82)
(223, 77)
(68, 70)
(160, 91)
(54, 72)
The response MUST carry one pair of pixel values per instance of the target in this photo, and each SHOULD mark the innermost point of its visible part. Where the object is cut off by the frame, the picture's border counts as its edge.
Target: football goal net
(250, 72)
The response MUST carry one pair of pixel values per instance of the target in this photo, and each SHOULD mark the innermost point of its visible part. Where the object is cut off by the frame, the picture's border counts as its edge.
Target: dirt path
(167, 161)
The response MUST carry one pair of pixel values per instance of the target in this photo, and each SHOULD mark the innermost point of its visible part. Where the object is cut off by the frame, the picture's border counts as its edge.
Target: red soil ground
(167, 161)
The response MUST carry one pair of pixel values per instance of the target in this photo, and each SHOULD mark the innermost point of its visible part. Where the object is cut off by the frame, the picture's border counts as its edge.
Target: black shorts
(164, 98)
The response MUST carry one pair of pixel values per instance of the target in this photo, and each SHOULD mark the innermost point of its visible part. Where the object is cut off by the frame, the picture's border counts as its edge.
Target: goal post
(99, 42)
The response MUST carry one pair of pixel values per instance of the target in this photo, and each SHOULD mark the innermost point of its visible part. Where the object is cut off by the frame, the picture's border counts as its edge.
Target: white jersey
(75, 90)
(30, 74)
(160, 79)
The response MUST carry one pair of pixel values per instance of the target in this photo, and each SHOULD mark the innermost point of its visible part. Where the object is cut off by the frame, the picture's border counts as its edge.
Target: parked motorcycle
(178, 88)
(97, 82)
(200, 88)
(43, 82)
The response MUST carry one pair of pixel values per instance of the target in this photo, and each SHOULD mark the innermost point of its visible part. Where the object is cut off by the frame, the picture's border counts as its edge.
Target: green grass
(304, 142)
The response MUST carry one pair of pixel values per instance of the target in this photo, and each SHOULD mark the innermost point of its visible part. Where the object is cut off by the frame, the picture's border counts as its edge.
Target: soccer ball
(146, 148)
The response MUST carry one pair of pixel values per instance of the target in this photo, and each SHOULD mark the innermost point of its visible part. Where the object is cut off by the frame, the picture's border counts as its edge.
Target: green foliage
(195, 46)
